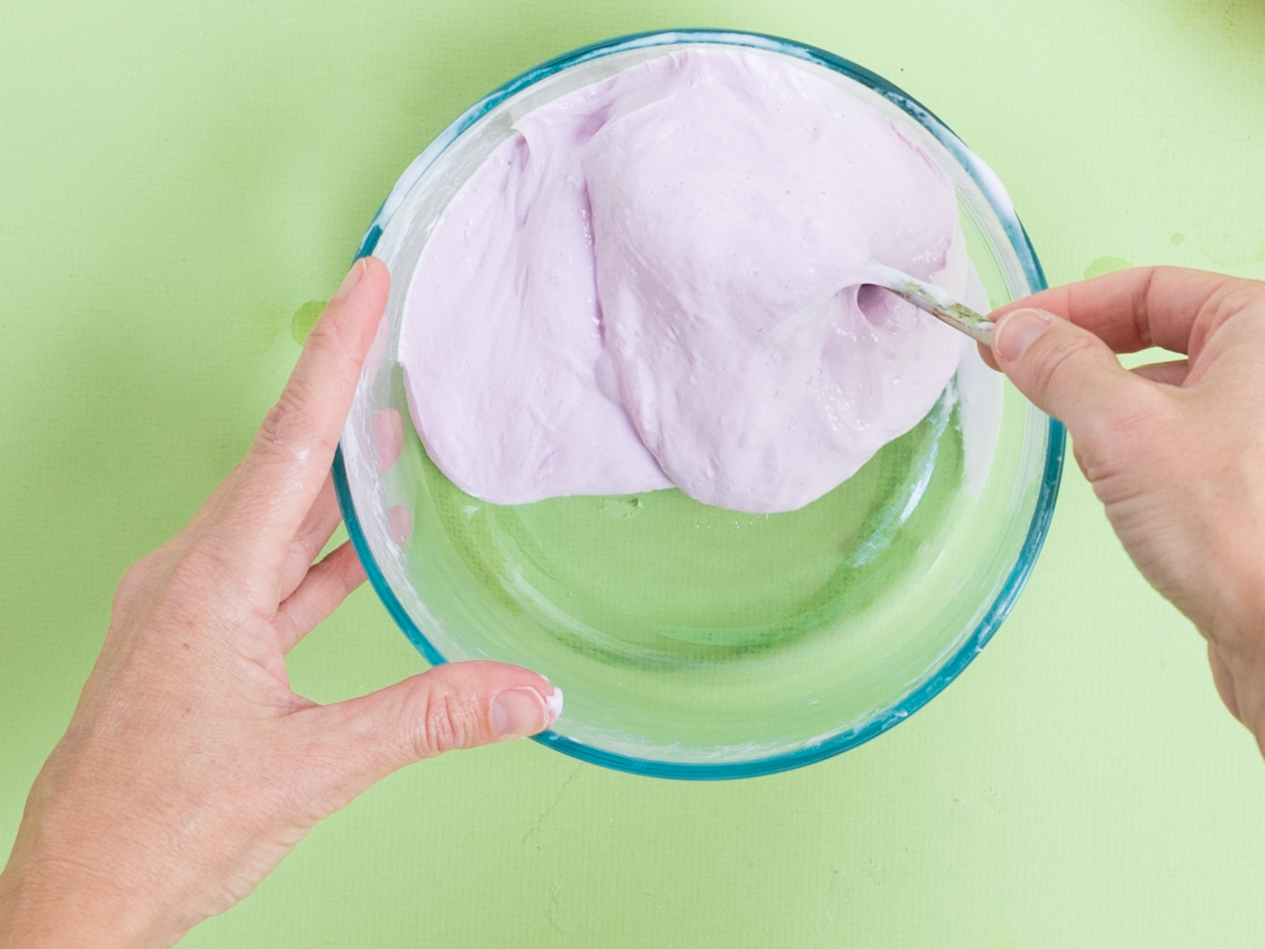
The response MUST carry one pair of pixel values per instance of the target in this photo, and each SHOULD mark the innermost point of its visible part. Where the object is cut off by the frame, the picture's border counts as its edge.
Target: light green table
(177, 180)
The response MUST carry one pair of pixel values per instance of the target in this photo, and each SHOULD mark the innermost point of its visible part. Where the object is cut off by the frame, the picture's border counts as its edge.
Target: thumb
(458, 705)
(1067, 372)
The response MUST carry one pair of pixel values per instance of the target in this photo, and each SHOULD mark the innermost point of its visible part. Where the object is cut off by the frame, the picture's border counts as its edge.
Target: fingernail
(520, 712)
(353, 277)
(554, 704)
(1018, 330)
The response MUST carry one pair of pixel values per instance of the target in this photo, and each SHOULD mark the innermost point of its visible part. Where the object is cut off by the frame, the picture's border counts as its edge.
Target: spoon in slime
(936, 301)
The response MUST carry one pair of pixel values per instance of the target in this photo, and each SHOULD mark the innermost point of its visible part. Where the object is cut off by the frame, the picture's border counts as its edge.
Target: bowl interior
(689, 640)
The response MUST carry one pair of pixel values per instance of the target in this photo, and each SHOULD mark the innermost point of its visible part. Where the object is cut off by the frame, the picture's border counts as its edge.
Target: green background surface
(176, 182)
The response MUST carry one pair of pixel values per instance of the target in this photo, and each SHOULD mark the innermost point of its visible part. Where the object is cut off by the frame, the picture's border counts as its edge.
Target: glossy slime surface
(658, 280)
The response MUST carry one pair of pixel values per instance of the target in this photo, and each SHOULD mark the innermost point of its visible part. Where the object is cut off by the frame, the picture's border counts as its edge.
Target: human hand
(190, 769)
(1174, 450)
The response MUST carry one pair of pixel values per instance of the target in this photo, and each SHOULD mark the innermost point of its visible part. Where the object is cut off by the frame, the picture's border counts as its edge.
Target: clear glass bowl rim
(1056, 444)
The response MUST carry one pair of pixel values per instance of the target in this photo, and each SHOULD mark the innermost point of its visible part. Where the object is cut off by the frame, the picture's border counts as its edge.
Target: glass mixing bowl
(693, 642)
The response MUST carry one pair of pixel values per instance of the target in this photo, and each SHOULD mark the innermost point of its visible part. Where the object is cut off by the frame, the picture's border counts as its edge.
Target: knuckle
(1136, 417)
(349, 573)
(1123, 432)
(170, 593)
(274, 430)
(287, 432)
(326, 333)
(133, 592)
(1111, 416)
(198, 576)
(132, 584)
(1055, 364)
(445, 723)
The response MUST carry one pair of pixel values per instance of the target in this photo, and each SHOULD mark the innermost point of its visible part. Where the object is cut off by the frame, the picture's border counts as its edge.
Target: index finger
(1131, 310)
(290, 457)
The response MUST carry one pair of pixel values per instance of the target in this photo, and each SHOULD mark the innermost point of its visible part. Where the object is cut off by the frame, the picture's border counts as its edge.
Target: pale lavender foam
(654, 281)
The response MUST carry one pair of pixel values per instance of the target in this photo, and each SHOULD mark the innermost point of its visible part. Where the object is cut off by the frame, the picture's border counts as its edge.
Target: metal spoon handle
(939, 304)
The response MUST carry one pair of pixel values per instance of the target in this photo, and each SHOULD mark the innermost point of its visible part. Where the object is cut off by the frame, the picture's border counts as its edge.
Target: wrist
(57, 907)
(59, 891)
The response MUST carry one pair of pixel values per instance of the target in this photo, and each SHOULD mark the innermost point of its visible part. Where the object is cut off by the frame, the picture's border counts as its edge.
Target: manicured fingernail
(554, 703)
(1017, 331)
(520, 712)
(353, 277)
